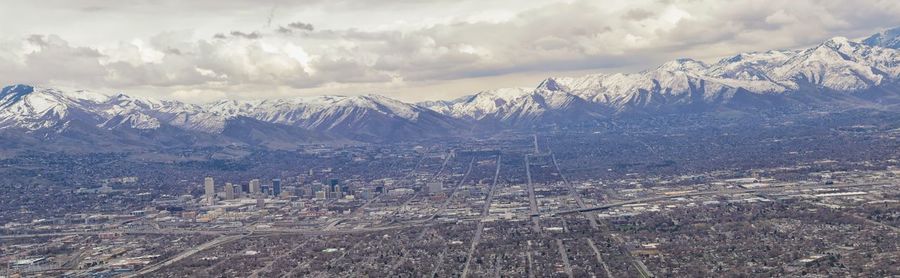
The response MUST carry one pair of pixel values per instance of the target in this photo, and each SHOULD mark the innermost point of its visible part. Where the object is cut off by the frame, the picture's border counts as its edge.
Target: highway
(574, 193)
(187, 253)
(702, 193)
(592, 219)
(238, 231)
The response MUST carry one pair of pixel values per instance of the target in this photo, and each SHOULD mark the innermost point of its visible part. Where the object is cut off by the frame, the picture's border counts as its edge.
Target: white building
(209, 187)
(254, 186)
(229, 191)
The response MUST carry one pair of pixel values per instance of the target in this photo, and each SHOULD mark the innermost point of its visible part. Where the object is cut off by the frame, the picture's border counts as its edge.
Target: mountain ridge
(835, 73)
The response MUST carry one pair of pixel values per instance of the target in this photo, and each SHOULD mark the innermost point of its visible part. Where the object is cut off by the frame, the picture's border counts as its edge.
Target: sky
(205, 50)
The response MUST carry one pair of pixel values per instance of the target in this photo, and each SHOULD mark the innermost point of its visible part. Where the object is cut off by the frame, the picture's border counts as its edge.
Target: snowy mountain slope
(835, 70)
(888, 39)
(366, 118)
(479, 105)
(369, 117)
(321, 113)
(32, 108)
(837, 65)
(836, 73)
(518, 107)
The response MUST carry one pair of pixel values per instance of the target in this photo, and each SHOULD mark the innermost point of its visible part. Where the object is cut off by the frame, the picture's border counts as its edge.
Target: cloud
(301, 26)
(45, 59)
(283, 30)
(637, 14)
(400, 43)
(251, 35)
(294, 26)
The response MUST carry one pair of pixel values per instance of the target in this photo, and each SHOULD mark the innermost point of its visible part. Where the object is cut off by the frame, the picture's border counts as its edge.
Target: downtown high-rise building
(255, 186)
(333, 185)
(276, 187)
(229, 191)
(209, 190)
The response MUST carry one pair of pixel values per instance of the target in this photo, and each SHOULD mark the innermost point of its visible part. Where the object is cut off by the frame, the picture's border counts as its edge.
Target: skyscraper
(254, 186)
(276, 187)
(209, 188)
(333, 185)
(229, 191)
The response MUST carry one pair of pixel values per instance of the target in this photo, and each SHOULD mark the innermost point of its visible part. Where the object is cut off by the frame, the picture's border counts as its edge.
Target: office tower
(333, 185)
(245, 188)
(335, 195)
(229, 191)
(209, 188)
(314, 188)
(254, 186)
(260, 203)
(276, 187)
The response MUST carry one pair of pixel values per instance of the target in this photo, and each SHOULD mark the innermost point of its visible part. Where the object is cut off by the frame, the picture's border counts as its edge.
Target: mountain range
(838, 73)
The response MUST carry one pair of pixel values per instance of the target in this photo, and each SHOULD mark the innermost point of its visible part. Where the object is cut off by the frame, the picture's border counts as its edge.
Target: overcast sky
(203, 50)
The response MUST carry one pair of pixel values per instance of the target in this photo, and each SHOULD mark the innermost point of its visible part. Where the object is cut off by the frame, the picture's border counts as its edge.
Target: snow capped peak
(838, 44)
(382, 104)
(511, 105)
(835, 65)
(33, 108)
(497, 96)
(837, 41)
(124, 100)
(72, 94)
(480, 104)
(121, 96)
(888, 39)
(838, 65)
(506, 93)
(683, 65)
(550, 84)
(751, 66)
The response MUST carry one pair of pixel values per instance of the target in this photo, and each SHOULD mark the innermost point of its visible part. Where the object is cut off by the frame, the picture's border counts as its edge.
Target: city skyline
(442, 138)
